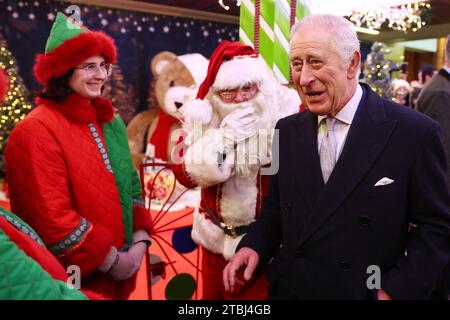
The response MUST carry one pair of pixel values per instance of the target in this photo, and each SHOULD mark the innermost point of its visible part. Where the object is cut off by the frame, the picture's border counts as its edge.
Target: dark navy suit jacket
(323, 238)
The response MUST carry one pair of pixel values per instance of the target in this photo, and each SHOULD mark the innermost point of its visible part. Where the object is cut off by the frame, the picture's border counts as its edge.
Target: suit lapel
(306, 157)
(368, 135)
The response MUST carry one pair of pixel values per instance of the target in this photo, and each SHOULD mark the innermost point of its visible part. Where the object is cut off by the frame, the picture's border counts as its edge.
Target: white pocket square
(383, 182)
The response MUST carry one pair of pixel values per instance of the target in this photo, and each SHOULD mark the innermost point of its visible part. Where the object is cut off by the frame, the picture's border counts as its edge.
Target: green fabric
(63, 29)
(20, 225)
(125, 173)
(22, 278)
(136, 185)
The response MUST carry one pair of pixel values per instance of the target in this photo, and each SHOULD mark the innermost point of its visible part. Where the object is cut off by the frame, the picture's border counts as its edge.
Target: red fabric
(213, 289)
(161, 135)
(4, 85)
(41, 255)
(80, 110)
(73, 52)
(142, 219)
(226, 50)
(35, 251)
(302, 107)
(263, 188)
(179, 169)
(182, 176)
(56, 175)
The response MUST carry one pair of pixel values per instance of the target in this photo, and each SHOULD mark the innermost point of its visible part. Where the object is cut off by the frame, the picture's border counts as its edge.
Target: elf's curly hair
(57, 89)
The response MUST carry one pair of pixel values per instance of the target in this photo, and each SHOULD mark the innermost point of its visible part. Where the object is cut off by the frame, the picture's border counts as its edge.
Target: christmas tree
(376, 71)
(16, 104)
(116, 91)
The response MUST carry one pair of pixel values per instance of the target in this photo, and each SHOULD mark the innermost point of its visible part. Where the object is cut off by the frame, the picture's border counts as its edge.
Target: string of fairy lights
(15, 105)
(15, 95)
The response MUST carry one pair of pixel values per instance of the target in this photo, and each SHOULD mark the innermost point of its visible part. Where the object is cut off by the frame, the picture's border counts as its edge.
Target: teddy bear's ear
(160, 61)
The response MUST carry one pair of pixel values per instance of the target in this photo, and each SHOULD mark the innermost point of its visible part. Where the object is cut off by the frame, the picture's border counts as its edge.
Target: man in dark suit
(354, 172)
(434, 101)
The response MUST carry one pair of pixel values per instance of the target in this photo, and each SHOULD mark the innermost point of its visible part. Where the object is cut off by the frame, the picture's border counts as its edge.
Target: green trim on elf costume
(127, 179)
(63, 29)
(22, 278)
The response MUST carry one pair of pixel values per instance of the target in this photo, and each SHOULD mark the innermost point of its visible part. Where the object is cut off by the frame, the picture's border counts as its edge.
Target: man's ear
(355, 65)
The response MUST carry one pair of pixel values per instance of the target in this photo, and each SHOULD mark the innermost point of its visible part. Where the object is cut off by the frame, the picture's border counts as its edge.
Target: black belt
(230, 231)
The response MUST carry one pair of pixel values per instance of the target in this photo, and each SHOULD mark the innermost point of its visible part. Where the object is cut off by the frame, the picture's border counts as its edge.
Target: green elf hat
(68, 45)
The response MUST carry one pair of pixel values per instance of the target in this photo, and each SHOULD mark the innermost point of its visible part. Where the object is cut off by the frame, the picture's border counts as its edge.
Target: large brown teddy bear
(177, 81)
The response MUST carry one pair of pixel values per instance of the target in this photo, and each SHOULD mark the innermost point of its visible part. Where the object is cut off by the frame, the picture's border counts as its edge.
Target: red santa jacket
(236, 202)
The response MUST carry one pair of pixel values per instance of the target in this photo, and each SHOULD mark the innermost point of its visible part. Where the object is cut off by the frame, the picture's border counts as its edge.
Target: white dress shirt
(342, 125)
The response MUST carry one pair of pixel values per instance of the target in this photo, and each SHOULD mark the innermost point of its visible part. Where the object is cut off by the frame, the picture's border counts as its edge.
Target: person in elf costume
(239, 101)
(69, 169)
(27, 269)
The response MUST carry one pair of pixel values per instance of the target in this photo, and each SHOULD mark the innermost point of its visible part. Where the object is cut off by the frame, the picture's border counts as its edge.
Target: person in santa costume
(228, 142)
(69, 169)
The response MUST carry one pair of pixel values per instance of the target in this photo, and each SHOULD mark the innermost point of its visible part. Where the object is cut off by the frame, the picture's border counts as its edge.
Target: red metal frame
(159, 267)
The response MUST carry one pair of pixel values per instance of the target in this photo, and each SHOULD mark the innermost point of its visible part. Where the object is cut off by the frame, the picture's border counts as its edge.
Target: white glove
(119, 265)
(239, 124)
(123, 265)
(128, 262)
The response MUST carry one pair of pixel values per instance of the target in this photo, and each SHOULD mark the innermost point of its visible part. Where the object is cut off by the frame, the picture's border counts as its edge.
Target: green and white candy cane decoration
(270, 34)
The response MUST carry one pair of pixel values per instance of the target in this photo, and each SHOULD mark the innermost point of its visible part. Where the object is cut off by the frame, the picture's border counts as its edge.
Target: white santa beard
(264, 106)
(258, 104)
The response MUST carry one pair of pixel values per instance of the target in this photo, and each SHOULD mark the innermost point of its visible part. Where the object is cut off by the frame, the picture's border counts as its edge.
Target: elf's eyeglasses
(91, 69)
(238, 94)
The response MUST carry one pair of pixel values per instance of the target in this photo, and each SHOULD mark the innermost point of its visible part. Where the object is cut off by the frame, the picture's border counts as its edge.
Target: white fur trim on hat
(239, 71)
(197, 111)
(197, 66)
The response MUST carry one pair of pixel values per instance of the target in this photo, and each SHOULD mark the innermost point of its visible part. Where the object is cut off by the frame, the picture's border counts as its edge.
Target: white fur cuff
(197, 111)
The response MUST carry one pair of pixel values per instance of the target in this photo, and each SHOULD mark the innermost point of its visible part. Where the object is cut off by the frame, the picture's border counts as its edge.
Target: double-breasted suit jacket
(323, 238)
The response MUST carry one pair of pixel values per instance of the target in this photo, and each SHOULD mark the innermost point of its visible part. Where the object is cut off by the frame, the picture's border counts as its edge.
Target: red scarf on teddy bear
(161, 135)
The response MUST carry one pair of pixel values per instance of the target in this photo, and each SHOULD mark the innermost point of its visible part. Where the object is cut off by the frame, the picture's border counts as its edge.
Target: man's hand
(244, 257)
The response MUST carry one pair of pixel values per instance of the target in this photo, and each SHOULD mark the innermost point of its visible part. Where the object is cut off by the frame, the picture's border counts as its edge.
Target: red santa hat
(4, 85)
(68, 45)
(232, 65)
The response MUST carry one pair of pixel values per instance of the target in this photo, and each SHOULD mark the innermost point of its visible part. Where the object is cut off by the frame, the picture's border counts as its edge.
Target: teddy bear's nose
(178, 104)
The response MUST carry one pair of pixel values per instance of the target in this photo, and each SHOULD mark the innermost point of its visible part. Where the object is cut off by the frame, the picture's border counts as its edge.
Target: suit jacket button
(345, 265)
(364, 220)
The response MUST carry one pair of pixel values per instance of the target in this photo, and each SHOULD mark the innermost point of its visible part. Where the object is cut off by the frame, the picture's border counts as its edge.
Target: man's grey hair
(343, 37)
(447, 50)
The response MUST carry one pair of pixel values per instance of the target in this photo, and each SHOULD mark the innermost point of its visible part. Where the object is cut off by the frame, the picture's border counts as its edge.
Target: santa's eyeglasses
(244, 93)
(91, 69)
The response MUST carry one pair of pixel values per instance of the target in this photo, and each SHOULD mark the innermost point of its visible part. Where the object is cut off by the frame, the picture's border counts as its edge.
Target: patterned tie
(327, 151)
